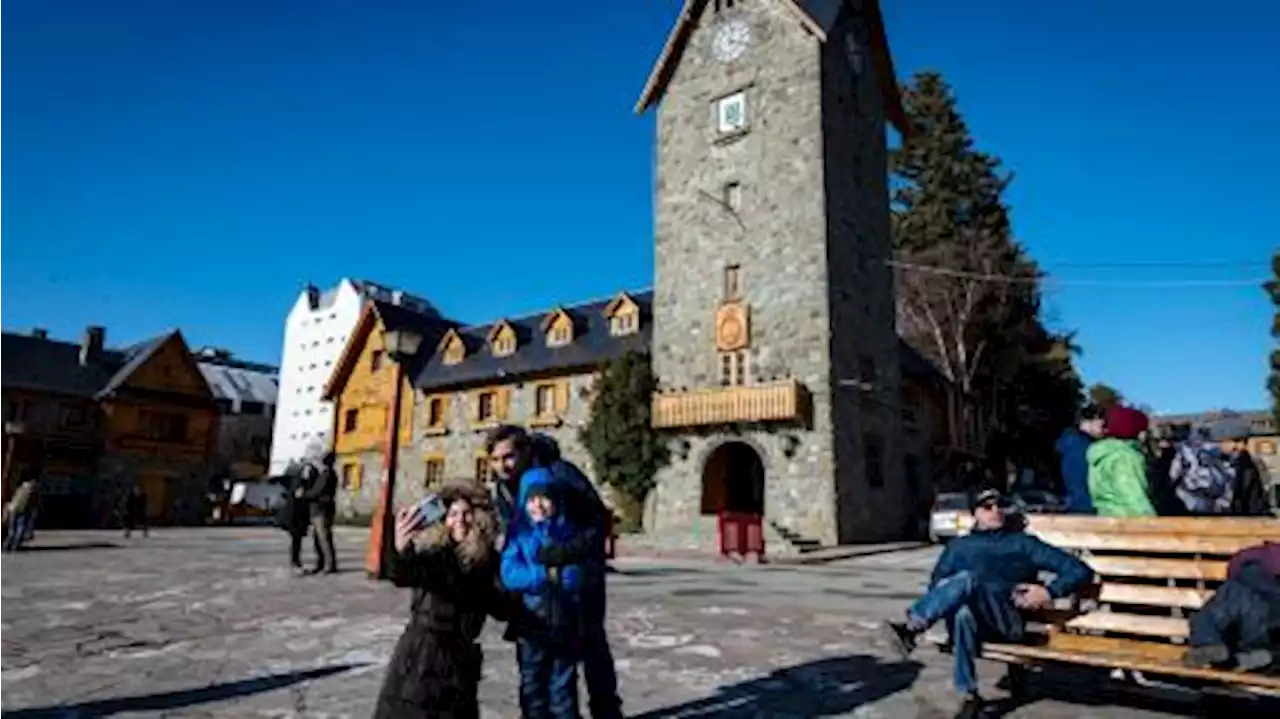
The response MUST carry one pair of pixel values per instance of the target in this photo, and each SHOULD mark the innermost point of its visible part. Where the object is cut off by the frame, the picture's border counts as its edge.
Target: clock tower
(773, 335)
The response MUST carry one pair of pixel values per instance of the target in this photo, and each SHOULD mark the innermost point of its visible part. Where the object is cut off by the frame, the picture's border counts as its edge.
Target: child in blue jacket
(548, 655)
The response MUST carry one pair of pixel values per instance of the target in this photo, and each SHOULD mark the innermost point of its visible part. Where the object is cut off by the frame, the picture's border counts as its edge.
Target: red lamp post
(401, 345)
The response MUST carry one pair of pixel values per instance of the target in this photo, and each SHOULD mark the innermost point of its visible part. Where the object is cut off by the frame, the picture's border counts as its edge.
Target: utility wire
(1036, 279)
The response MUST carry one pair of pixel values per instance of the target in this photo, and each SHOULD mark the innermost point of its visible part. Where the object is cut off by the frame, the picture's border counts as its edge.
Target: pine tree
(625, 450)
(1273, 380)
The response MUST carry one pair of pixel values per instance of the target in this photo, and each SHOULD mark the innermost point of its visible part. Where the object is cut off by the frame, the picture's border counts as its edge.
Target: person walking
(1250, 496)
(321, 496)
(1118, 468)
(133, 511)
(21, 511)
(451, 565)
(1072, 447)
(294, 517)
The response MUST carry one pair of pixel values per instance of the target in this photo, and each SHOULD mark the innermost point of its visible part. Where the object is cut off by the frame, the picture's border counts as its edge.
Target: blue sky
(192, 164)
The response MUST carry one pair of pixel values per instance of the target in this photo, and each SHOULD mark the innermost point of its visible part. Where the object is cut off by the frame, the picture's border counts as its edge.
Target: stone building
(774, 337)
(784, 388)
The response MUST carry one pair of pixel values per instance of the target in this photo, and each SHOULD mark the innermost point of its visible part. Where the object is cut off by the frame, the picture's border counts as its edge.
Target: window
(544, 400)
(223, 404)
(15, 411)
(455, 351)
(732, 282)
(873, 458)
(732, 196)
(72, 417)
(434, 474)
(351, 476)
(163, 426)
(482, 469)
(485, 406)
(623, 323)
(733, 368)
(250, 407)
(503, 345)
(375, 360)
(435, 412)
(731, 114)
(350, 420)
(560, 333)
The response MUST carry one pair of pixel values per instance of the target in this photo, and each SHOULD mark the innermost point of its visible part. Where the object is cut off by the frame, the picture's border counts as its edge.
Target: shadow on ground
(167, 701)
(1082, 686)
(75, 546)
(827, 687)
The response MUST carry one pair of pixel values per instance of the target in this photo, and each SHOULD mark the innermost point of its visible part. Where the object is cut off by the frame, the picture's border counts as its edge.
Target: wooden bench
(1152, 574)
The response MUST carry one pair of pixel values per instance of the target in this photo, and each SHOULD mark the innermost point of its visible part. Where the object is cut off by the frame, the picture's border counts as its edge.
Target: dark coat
(321, 493)
(435, 669)
(1071, 448)
(1250, 499)
(295, 515)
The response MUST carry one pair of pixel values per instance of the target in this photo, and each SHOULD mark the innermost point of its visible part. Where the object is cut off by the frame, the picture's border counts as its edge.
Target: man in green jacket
(1118, 469)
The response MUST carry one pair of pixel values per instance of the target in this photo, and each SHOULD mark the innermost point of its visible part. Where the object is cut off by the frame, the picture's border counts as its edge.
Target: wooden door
(159, 490)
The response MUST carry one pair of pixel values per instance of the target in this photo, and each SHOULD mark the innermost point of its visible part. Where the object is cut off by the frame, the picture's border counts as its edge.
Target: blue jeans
(548, 679)
(19, 525)
(973, 612)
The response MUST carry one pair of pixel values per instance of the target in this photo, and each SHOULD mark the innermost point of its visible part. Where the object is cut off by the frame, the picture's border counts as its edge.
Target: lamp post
(401, 345)
(12, 431)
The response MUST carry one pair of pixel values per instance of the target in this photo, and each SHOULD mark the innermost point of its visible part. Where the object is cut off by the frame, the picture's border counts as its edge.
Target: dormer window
(453, 349)
(502, 339)
(559, 328)
(623, 314)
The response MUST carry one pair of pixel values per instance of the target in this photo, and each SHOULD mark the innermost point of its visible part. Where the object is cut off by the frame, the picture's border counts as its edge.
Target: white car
(950, 517)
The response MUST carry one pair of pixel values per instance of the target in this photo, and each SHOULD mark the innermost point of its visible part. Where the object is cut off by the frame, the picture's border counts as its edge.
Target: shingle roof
(592, 344)
(47, 365)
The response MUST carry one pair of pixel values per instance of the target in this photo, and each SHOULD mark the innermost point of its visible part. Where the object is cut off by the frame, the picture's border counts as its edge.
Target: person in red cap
(1117, 467)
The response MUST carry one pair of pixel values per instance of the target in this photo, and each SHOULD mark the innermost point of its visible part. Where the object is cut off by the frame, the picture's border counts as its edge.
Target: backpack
(1202, 479)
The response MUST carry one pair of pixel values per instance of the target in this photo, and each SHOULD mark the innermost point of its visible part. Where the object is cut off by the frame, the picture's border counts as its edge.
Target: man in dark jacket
(1243, 617)
(1250, 498)
(295, 516)
(1071, 447)
(980, 585)
(321, 493)
(133, 511)
(512, 452)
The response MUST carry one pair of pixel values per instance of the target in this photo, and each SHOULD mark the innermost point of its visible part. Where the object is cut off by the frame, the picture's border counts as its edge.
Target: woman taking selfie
(450, 564)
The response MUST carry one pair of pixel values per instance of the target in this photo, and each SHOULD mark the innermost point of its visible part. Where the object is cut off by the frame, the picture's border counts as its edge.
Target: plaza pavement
(211, 622)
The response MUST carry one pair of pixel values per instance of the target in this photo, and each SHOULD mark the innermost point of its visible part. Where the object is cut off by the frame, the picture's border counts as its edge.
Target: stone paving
(210, 622)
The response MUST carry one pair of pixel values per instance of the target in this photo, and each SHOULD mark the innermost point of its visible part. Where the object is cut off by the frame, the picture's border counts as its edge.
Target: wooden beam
(1132, 624)
(1148, 568)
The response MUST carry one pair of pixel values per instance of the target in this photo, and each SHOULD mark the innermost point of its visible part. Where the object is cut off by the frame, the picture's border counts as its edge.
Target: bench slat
(1134, 648)
(1131, 624)
(1013, 652)
(1204, 569)
(1153, 596)
(1167, 543)
(1256, 528)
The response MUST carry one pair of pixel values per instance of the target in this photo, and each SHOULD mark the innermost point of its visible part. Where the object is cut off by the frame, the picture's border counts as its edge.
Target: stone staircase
(794, 542)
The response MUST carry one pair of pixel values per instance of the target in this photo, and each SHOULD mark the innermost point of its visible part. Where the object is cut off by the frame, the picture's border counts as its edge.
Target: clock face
(731, 40)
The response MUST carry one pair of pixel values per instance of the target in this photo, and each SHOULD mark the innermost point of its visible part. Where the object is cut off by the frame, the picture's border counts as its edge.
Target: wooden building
(91, 421)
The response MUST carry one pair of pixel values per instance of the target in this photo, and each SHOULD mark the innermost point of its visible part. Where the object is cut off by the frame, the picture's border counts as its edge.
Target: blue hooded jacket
(1072, 447)
(555, 603)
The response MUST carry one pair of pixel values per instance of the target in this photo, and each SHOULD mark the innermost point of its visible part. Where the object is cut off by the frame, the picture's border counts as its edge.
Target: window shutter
(562, 397)
(503, 402)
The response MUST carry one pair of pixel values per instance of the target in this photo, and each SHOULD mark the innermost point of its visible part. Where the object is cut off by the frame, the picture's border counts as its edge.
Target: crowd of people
(1112, 465)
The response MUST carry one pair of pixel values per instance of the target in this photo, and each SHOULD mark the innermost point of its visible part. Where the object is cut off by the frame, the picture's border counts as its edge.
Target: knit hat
(986, 496)
(1229, 428)
(1125, 422)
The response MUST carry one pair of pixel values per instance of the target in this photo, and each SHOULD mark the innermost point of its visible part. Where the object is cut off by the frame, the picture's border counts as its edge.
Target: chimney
(91, 348)
(313, 296)
(40, 333)
(397, 297)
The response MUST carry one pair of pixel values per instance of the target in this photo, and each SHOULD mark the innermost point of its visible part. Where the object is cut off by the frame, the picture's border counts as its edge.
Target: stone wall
(778, 238)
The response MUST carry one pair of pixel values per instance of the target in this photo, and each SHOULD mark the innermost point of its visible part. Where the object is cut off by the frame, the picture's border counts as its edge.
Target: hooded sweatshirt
(1118, 479)
(1072, 447)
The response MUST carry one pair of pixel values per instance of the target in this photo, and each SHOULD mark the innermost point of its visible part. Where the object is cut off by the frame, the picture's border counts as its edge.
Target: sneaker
(970, 707)
(1206, 655)
(1254, 660)
(899, 638)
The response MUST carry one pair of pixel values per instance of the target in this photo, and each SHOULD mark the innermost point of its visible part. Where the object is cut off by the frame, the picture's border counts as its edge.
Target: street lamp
(401, 346)
(13, 429)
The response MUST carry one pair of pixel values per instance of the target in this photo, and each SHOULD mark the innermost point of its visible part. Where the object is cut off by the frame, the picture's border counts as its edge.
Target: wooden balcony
(780, 401)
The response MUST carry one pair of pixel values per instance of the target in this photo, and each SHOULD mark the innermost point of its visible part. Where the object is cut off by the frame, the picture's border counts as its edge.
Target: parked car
(950, 516)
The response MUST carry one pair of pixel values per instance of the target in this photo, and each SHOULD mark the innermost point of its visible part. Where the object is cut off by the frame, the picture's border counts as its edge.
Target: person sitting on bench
(979, 587)
(1243, 617)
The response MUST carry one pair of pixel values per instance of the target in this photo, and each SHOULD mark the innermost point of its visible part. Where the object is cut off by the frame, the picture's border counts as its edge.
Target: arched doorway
(733, 480)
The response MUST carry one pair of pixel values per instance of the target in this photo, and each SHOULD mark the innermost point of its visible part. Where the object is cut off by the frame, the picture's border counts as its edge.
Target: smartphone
(432, 509)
